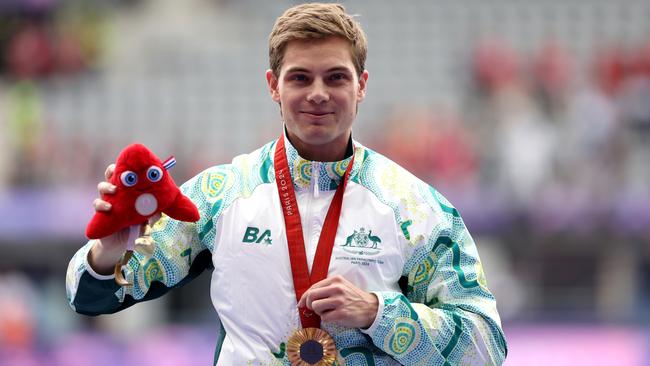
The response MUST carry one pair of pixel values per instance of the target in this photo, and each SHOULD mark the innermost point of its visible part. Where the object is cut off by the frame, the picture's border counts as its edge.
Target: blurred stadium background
(532, 117)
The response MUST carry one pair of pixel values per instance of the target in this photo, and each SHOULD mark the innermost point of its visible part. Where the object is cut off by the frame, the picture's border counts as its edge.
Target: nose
(318, 92)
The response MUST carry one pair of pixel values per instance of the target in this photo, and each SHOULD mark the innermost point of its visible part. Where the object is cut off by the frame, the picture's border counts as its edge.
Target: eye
(337, 76)
(129, 178)
(299, 77)
(154, 174)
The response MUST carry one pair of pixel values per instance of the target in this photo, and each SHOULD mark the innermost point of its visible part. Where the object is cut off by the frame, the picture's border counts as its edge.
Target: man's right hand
(106, 251)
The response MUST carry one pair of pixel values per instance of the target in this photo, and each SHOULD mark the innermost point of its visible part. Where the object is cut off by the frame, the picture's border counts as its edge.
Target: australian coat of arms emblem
(362, 242)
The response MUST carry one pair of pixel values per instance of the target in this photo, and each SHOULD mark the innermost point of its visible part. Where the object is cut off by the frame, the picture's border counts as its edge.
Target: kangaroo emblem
(362, 242)
(348, 241)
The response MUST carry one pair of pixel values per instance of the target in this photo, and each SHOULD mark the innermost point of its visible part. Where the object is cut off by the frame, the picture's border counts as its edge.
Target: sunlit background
(532, 117)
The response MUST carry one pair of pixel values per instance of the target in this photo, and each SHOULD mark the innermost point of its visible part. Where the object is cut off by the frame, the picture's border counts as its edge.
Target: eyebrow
(302, 69)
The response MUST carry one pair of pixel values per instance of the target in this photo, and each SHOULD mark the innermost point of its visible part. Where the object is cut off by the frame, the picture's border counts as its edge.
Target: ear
(272, 81)
(363, 79)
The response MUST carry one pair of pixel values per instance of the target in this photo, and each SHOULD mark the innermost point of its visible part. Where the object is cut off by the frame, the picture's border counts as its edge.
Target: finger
(314, 294)
(337, 279)
(106, 188)
(101, 205)
(303, 299)
(329, 281)
(322, 306)
(339, 316)
(153, 219)
(307, 298)
(143, 229)
(109, 171)
(324, 292)
(331, 316)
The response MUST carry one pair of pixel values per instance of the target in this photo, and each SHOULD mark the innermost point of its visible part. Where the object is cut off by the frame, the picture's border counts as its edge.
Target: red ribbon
(302, 280)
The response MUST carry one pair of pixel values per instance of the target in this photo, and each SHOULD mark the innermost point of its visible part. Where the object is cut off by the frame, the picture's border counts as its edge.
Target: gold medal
(311, 347)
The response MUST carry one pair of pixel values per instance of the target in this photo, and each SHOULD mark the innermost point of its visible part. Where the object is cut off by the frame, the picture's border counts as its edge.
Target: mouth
(316, 114)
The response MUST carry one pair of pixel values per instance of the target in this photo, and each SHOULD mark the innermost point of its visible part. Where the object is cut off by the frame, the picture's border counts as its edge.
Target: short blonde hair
(316, 21)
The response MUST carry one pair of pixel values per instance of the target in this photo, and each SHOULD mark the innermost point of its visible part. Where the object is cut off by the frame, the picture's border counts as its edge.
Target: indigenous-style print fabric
(393, 229)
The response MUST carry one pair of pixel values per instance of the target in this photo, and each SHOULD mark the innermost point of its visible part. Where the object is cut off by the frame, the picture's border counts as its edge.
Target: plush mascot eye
(129, 178)
(154, 174)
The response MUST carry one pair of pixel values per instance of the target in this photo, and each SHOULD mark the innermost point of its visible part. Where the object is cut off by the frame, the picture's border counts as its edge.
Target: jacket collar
(326, 175)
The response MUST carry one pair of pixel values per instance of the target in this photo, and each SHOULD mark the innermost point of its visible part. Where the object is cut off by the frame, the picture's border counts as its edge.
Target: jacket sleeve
(447, 315)
(180, 255)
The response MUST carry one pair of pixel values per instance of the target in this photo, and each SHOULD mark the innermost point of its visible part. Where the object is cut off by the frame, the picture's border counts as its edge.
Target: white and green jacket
(397, 237)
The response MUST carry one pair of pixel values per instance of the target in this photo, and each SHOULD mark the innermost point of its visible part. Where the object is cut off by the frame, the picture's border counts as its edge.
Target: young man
(314, 230)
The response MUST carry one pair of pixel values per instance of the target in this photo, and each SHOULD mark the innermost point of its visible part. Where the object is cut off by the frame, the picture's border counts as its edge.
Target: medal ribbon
(302, 280)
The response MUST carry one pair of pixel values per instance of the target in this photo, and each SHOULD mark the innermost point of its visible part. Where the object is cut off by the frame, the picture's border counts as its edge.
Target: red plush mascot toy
(144, 189)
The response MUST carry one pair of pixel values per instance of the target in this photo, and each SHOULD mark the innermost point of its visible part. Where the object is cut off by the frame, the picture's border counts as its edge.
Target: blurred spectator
(432, 144)
(525, 146)
(553, 72)
(608, 69)
(635, 116)
(17, 319)
(30, 53)
(518, 140)
(591, 157)
(6, 151)
(495, 65)
(25, 123)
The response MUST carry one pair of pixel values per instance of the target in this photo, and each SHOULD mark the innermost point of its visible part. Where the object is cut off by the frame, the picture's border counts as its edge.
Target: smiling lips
(317, 114)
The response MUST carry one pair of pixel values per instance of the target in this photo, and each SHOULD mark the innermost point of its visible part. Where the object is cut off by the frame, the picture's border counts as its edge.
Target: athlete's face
(318, 90)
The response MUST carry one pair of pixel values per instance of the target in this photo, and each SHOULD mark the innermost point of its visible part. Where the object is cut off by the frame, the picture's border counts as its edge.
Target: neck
(333, 151)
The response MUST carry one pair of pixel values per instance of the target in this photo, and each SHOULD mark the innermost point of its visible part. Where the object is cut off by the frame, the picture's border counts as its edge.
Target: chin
(317, 140)
(316, 132)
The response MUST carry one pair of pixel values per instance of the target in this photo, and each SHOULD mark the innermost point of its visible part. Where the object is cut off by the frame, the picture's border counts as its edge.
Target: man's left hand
(338, 300)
